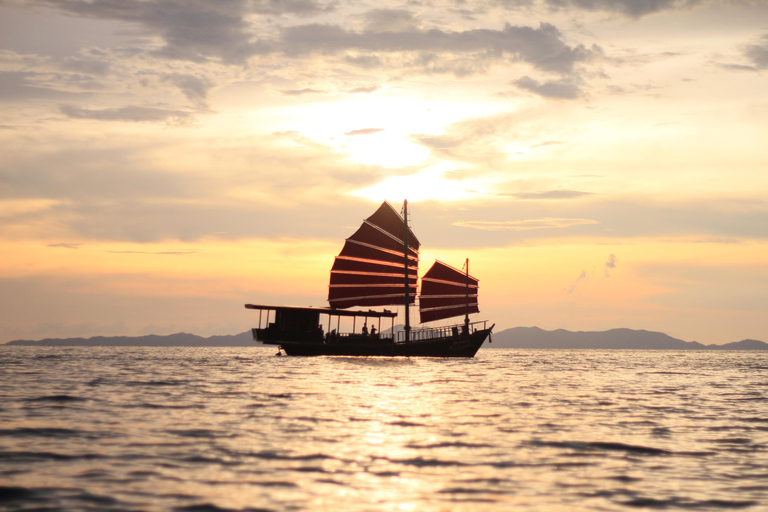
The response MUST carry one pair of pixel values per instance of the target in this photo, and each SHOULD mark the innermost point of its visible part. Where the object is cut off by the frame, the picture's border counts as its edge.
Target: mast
(405, 271)
(466, 296)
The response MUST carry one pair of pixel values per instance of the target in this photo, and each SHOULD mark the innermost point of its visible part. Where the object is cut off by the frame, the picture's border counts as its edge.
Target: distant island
(181, 339)
(517, 337)
(533, 337)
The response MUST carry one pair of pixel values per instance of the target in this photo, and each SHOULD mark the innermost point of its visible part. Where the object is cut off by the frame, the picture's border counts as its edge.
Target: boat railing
(449, 331)
(334, 337)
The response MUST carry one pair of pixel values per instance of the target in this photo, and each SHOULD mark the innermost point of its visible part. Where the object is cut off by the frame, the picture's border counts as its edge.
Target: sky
(602, 163)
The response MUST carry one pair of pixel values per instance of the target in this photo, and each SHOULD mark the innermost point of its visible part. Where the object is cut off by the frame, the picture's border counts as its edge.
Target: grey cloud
(86, 65)
(365, 61)
(610, 265)
(564, 89)
(738, 67)
(130, 113)
(389, 20)
(542, 47)
(758, 53)
(65, 245)
(194, 30)
(629, 8)
(16, 86)
(193, 87)
(298, 7)
(202, 31)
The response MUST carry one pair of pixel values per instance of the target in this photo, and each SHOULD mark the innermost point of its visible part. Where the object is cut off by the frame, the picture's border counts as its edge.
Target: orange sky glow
(602, 164)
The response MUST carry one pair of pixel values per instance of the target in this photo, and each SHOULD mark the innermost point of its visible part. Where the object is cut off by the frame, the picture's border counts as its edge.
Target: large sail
(369, 270)
(446, 292)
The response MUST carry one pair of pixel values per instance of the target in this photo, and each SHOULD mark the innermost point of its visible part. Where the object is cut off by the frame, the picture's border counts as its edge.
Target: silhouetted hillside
(533, 337)
(518, 337)
(181, 339)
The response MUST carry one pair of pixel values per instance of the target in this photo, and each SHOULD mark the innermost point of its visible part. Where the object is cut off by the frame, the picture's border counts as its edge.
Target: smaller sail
(447, 292)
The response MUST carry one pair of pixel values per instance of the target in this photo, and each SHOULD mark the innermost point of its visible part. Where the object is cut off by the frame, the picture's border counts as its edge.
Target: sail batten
(447, 292)
(370, 269)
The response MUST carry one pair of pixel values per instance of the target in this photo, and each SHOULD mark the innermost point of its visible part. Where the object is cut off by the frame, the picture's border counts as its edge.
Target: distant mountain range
(533, 337)
(518, 337)
(181, 339)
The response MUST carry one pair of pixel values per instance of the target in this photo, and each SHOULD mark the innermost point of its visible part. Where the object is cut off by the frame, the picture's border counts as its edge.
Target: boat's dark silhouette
(378, 266)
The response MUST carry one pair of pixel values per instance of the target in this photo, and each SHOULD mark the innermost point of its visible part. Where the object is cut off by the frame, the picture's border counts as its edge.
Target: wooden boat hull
(450, 346)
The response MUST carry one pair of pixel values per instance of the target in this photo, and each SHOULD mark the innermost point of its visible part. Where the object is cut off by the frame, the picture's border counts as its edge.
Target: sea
(242, 429)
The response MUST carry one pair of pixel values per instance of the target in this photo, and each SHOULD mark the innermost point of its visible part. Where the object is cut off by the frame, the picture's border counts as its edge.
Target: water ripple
(200, 429)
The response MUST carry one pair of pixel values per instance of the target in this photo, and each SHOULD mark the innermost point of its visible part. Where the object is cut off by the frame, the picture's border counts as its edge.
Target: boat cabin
(278, 324)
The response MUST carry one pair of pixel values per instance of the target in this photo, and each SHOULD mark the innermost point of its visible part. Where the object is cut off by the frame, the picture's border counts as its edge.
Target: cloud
(88, 65)
(485, 140)
(19, 86)
(65, 245)
(546, 143)
(364, 131)
(193, 87)
(629, 8)
(551, 194)
(297, 7)
(232, 32)
(365, 61)
(572, 288)
(301, 92)
(194, 30)
(562, 89)
(758, 53)
(389, 20)
(610, 265)
(524, 225)
(542, 47)
(149, 188)
(162, 253)
(364, 90)
(130, 114)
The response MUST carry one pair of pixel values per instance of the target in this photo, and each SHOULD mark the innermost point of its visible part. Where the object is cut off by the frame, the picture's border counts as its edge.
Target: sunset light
(392, 255)
(165, 153)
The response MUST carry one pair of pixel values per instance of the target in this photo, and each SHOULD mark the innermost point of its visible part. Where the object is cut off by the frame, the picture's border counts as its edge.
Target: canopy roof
(327, 311)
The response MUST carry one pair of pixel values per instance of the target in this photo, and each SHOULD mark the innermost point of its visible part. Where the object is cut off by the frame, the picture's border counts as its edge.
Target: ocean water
(208, 429)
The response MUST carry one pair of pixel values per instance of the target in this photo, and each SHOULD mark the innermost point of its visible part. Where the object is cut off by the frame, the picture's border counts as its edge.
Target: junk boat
(378, 266)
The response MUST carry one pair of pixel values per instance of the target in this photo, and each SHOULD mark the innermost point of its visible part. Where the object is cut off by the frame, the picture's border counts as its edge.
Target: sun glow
(430, 183)
(378, 129)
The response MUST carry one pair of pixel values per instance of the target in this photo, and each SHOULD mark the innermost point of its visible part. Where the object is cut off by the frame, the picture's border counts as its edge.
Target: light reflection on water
(240, 429)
